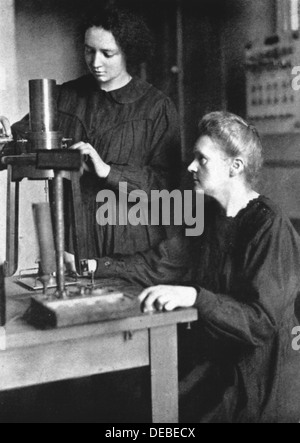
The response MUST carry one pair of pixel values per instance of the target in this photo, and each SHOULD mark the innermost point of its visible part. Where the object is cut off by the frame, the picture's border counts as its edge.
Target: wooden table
(34, 357)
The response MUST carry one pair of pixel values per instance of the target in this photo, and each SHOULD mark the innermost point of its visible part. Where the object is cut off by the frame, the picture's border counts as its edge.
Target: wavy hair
(236, 138)
(129, 29)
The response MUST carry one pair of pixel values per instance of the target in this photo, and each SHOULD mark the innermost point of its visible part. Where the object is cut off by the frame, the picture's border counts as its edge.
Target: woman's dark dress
(135, 130)
(247, 271)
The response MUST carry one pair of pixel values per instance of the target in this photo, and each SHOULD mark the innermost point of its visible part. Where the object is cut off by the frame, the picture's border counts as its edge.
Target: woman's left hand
(167, 298)
(101, 168)
(69, 260)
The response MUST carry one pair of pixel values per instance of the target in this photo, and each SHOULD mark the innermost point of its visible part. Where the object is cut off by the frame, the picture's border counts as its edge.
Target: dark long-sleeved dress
(246, 270)
(135, 130)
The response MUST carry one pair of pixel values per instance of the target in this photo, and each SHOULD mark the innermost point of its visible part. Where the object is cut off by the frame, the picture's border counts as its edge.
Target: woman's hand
(101, 168)
(167, 298)
(69, 260)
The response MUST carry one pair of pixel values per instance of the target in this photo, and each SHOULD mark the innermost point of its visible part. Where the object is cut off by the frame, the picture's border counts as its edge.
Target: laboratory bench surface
(34, 357)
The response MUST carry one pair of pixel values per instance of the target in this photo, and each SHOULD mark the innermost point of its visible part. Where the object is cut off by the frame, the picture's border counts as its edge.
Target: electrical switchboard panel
(273, 85)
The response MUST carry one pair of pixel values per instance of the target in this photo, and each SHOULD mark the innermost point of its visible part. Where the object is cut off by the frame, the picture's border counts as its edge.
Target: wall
(243, 22)
(48, 43)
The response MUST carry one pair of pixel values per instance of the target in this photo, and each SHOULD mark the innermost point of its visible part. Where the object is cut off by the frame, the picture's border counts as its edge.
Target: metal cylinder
(43, 105)
(45, 140)
(43, 222)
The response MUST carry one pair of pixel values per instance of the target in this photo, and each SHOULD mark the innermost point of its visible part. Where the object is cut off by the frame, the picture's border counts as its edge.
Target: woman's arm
(265, 293)
(162, 168)
(169, 263)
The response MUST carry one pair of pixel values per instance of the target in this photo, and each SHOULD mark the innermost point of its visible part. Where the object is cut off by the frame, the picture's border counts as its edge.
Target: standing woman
(126, 128)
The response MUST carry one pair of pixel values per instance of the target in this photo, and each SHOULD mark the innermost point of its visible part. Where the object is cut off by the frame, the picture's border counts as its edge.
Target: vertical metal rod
(180, 64)
(2, 297)
(12, 225)
(43, 223)
(59, 232)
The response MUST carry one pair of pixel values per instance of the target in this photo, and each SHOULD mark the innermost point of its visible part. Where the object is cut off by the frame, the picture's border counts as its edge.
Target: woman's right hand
(4, 122)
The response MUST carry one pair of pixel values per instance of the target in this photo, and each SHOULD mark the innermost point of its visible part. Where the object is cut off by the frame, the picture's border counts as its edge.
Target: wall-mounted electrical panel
(273, 85)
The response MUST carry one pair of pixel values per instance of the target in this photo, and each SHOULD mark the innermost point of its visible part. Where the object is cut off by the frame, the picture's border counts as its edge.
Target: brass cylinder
(43, 223)
(45, 140)
(43, 105)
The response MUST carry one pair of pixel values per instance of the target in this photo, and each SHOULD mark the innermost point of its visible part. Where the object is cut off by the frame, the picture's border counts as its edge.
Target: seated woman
(242, 275)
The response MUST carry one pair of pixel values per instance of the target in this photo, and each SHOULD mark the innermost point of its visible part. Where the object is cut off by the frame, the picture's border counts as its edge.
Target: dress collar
(129, 93)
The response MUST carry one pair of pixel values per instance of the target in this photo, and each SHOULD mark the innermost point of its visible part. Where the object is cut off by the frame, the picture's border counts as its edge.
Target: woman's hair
(236, 138)
(130, 31)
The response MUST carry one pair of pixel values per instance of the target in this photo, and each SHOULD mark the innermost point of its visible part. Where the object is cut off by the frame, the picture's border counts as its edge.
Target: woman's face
(210, 168)
(104, 58)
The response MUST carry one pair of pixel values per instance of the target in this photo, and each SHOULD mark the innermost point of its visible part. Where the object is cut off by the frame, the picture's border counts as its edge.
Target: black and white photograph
(150, 214)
